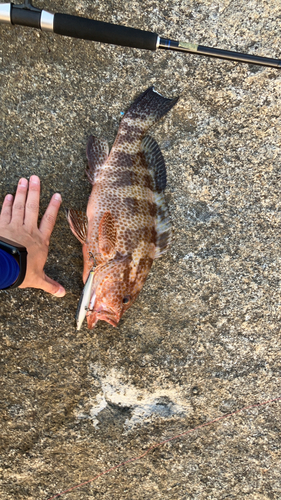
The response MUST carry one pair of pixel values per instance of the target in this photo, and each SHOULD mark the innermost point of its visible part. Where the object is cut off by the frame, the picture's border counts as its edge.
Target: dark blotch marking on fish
(139, 116)
(152, 207)
(133, 237)
(124, 159)
(153, 235)
(147, 182)
(126, 178)
(144, 263)
(119, 256)
(126, 275)
(133, 205)
(136, 206)
(142, 157)
(132, 134)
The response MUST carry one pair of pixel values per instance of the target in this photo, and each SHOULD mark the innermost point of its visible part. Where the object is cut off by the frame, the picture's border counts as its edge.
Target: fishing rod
(88, 29)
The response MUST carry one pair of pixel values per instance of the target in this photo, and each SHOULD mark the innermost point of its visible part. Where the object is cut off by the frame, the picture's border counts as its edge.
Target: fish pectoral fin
(78, 222)
(97, 153)
(107, 235)
(155, 162)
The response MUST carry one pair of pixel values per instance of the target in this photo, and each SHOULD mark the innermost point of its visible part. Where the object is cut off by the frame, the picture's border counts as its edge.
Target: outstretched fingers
(32, 203)
(6, 211)
(49, 218)
(19, 222)
(18, 209)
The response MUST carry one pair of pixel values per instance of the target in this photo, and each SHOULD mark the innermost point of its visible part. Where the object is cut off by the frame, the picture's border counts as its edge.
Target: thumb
(53, 287)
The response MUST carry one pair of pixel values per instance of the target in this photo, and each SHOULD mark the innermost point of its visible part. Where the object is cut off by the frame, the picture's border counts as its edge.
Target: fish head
(116, 286)
(110, 292)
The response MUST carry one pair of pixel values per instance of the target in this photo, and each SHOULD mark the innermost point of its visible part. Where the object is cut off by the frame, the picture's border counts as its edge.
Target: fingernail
(9, 197)
(23, 182)
(57, 196)
(34, 179)
(60, 292)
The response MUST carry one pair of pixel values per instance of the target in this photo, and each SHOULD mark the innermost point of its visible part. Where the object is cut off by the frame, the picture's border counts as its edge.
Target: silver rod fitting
(5, 13)
(47, 21)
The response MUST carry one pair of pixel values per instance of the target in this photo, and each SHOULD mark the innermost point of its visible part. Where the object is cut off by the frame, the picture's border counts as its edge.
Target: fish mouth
(109, 316)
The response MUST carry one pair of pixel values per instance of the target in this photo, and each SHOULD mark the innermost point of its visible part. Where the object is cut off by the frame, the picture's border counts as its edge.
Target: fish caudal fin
(150, 103)
(78, 222)
(97, 153)
(146, 110)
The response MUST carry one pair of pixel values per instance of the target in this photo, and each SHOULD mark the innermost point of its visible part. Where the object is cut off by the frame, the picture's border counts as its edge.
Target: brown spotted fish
(127, 224)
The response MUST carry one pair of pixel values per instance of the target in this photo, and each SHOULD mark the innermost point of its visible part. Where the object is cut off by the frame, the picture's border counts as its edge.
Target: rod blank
(192, 48)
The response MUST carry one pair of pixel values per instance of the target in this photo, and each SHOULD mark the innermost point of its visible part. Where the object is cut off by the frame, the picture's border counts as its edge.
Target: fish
(126, 225)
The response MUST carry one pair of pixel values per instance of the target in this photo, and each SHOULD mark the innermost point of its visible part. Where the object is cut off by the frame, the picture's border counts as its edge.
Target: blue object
(9, 269)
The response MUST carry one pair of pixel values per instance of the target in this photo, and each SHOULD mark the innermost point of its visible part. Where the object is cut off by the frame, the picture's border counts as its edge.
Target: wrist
(12, 264)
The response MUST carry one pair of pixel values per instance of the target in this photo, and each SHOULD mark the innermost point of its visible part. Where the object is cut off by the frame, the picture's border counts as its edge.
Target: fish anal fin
(97, 153)
(163, 226)
(155, 162)
(107, 235)
(78, 222)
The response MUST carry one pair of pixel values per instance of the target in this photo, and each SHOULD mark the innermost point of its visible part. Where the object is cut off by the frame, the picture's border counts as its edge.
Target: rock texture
(203, 339)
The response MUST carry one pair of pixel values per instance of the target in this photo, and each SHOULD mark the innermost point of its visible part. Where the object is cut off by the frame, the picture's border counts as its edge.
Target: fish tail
(148, 108)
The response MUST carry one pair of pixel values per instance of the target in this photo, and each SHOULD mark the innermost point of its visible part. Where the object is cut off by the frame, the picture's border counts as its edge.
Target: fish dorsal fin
(163, 225)
(107, 235)
(78, 222)
(156, 165)
(155, 162)
(97, 153)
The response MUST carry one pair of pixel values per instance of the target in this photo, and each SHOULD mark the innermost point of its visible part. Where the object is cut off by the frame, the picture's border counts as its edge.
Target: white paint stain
(145, 403)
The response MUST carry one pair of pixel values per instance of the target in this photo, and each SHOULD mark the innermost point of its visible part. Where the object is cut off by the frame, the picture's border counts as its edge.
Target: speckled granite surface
(203, 339)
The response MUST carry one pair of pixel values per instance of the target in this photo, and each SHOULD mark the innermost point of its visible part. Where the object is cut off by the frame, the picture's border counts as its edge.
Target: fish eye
(126, 299)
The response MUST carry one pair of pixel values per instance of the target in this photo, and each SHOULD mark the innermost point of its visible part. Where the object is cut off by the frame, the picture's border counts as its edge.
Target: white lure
(84, 300)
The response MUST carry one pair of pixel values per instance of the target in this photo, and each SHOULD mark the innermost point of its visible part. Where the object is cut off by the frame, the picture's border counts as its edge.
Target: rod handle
(98, 31)
(25, 17)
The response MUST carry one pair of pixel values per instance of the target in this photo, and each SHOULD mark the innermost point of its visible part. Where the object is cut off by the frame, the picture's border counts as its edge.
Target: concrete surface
(203, 339)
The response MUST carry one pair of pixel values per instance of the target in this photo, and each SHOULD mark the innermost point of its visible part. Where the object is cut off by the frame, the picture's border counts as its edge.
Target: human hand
(19, 223)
